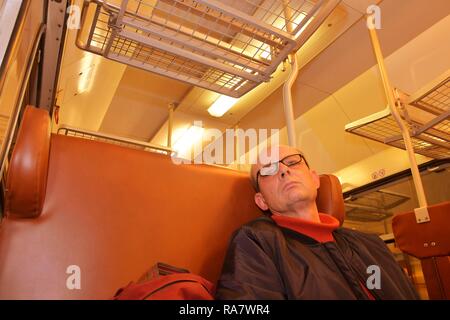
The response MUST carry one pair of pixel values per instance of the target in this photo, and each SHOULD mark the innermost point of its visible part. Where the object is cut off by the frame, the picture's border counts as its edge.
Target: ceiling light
(190, 137)
(221, 105)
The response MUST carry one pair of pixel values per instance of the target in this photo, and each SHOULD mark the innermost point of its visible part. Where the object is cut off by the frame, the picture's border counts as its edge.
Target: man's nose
(284, 170)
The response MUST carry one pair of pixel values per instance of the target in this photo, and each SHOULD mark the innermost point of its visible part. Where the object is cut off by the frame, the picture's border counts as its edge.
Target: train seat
(110, 212)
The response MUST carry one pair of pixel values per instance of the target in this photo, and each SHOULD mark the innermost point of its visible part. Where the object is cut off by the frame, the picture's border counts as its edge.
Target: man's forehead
(275, 153)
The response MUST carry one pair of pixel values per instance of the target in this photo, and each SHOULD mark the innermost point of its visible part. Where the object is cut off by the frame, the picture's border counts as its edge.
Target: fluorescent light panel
(221, 105)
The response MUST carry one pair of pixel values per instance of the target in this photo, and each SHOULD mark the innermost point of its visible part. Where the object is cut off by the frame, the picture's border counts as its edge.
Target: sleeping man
(296, 252)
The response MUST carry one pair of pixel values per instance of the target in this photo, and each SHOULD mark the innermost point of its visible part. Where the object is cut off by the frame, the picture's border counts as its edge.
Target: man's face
(290, 186)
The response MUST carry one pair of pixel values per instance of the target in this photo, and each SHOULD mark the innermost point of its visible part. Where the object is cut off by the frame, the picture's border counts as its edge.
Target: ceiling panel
(84, 98)
(140, 104)
(352, 54)
(322, 138)
(422, 59)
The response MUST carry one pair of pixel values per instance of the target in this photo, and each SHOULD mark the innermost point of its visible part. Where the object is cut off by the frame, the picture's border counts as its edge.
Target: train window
(371, 208)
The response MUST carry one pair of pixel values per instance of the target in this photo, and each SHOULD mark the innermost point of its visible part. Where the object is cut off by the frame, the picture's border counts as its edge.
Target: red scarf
(321, 232)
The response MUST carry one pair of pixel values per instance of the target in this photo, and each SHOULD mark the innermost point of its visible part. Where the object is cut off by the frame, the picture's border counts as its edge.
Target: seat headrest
(329, 197)
(27, 173)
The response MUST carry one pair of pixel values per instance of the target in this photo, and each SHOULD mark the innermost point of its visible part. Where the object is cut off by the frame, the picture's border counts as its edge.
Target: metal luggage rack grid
(207, 43)
(102, 137)
(430, 138)
(366, 215)
(379, 199)
(437, 100)
(373, 207)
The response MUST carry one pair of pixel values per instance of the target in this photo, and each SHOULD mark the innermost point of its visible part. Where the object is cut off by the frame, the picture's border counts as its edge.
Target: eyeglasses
(272, 168)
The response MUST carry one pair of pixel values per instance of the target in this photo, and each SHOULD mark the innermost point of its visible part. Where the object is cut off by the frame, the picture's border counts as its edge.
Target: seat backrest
(111, 212)
(429, 242)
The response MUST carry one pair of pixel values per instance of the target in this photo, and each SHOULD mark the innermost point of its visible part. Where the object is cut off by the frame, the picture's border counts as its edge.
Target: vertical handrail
(405, 132)
(287, 101)
(170, 125)
(287, 94)
(236, 146)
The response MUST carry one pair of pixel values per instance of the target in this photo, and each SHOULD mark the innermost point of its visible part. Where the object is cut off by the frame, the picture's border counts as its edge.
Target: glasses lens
(291, 160)
(269, 170)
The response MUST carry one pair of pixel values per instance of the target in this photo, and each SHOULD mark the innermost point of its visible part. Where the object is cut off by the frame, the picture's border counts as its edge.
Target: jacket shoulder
(262, 231)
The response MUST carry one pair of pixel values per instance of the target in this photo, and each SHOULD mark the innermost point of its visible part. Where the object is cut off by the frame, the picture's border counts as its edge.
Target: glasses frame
(302, 159)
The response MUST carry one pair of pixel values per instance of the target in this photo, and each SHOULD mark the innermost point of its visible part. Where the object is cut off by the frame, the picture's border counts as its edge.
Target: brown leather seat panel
(114, 212)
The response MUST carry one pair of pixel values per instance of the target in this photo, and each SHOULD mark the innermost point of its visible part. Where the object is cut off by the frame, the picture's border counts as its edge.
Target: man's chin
(294, 196)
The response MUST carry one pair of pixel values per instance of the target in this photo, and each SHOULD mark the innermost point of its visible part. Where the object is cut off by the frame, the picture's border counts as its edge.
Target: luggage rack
(207, 43)
(427, 115)
(373, 207)
(103, 137)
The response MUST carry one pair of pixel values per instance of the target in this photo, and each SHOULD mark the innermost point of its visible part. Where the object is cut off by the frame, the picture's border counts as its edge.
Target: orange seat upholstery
(114, 212)
(429, 242)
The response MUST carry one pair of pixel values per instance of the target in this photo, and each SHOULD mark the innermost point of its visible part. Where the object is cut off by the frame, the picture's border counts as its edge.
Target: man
(296, 252)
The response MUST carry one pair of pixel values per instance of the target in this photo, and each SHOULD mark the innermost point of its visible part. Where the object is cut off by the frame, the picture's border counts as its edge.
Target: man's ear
(261, 202)
(316, 179)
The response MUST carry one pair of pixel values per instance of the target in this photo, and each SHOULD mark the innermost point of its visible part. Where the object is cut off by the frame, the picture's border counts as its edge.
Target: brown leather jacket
(265, 261)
